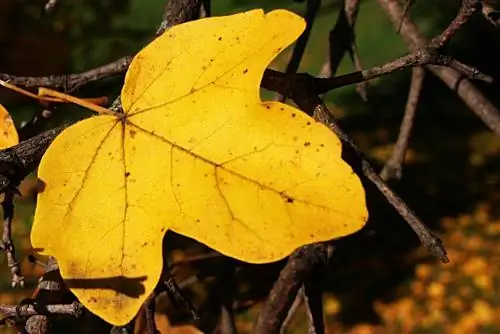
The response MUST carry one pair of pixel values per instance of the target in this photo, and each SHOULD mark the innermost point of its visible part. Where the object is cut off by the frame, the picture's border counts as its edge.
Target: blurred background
(380, 280)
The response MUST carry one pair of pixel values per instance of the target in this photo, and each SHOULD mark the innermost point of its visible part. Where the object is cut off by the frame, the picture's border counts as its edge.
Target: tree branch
(27, 310)
(476, 101)
(393, 168)
(69, 83)
(300, 47)
(7, 243)
(286, 287)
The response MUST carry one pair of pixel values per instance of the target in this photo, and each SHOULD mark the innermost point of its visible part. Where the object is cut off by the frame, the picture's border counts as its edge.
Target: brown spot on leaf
(307, 144)
(127, 174)
(132, 133)
(245, 71)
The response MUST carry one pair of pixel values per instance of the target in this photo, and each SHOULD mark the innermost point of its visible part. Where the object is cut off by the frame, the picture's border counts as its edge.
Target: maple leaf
(196, 152)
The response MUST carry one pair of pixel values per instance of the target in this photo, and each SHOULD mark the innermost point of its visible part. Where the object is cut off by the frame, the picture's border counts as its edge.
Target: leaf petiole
(49, 93)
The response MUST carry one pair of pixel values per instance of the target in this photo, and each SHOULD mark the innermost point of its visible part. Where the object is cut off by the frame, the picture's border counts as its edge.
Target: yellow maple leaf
(196, 152)
(8, 133)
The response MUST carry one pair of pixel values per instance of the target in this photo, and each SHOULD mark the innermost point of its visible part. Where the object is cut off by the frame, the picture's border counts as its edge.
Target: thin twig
(7, 242)
(453, 78)
(227, 324)
(465, 13)
(285, 289)
(406, 10)
(420, 57)
(206, 9)
(299, 300)
(314, 304)
(430, 241)
(393, 168)
(342, 39)
(69, 83)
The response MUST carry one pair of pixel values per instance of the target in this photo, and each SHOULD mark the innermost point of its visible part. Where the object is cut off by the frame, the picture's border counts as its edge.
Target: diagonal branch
(286, 287)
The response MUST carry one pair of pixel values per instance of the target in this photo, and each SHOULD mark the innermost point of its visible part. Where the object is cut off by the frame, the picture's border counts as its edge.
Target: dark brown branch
(476, 101)
(420, 57)
(7, 242)
(20, 160)
(465, 13)
(427, 238)
(308, 101)
(70, 82)
(393, 168)
(179, 11)
(285, 289)
(342, 38)
(300, 47)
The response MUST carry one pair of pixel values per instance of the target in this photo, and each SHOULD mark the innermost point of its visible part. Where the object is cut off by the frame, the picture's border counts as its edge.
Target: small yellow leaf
(196, 152)
(8, 133)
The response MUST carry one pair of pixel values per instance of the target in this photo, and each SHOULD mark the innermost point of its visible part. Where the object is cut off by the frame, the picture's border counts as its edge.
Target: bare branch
(299, 299)
(284, 290)
(300, 47)
(476, 101)
(420, 57)
(467, 10)
(69, 83)
(179, 11)
(18, 161)
(308, 101)
(342, 38)
(393, 168)
(73, 309)
(7, 243)
(314, 304)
